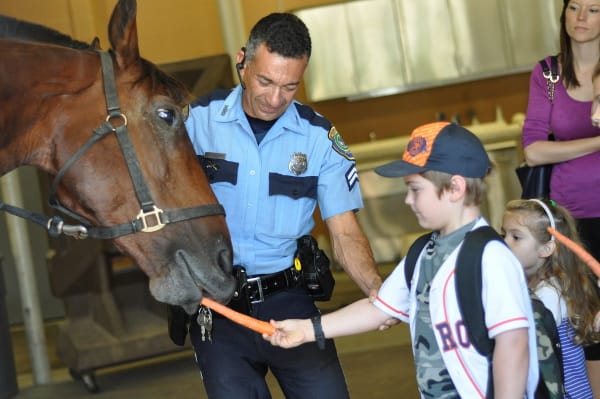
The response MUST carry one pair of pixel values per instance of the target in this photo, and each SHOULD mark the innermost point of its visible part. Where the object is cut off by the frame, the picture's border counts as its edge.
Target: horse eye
(166, 115)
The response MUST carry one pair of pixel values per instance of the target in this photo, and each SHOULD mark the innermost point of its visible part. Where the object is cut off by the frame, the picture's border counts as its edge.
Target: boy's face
(522, 243)
(596, 102)
(431, 210)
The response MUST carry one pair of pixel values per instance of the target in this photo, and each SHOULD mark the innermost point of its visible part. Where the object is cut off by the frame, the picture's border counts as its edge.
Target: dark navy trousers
(235, 364)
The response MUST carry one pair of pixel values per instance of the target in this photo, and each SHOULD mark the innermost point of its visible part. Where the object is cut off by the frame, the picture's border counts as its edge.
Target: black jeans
(589, 232)
(234, 365)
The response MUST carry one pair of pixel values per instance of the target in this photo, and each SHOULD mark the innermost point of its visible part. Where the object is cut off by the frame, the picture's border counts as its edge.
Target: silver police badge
(298, 163)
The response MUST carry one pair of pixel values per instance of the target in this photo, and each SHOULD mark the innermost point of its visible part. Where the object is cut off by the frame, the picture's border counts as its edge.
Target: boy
(444, 167)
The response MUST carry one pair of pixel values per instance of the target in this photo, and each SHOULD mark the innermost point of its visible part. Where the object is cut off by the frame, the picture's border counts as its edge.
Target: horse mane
(12, 28)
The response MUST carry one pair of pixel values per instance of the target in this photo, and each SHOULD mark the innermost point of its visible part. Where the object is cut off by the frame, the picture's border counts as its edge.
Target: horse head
(56, 113)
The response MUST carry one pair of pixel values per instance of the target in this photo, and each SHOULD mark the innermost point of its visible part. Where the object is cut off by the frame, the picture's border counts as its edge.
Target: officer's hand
(388, 323)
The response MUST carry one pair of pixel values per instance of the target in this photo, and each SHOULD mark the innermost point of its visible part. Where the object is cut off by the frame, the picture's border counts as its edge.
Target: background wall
(185, 29)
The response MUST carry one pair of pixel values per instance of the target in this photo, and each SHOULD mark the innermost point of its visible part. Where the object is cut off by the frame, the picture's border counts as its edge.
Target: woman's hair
(563, 269)
(566, 53)
(475, 191)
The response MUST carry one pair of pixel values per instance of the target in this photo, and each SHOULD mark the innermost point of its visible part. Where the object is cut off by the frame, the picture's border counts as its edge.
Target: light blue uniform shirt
(268, 206)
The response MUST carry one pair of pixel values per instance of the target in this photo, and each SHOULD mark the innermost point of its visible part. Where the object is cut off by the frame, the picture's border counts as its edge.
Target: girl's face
(522, 243)
(582, 20)
(430, 209)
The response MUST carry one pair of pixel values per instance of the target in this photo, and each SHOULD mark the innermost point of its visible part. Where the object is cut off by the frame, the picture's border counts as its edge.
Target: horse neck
(41, 86)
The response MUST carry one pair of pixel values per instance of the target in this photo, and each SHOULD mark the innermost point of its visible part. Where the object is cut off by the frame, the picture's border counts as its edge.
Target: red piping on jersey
(390, 307)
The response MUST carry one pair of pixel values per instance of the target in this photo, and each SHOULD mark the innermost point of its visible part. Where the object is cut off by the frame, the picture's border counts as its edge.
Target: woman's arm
(543, 152)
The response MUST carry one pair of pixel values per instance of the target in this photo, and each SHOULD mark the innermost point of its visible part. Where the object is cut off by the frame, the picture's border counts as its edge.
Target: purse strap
(550, 74)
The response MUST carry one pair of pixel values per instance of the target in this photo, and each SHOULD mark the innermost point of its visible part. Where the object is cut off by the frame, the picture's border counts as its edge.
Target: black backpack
(468, 280)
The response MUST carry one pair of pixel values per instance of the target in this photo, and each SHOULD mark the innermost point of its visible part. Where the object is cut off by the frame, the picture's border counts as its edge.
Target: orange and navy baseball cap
(441, 146)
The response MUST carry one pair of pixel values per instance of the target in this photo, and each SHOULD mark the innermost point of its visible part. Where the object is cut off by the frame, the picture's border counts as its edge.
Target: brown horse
(112, 134)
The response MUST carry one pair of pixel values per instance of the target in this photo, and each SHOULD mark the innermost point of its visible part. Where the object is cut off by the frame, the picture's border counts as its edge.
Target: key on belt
(204, 320)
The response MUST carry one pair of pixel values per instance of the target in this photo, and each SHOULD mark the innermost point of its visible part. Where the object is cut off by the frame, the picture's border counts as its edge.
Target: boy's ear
(458, 187)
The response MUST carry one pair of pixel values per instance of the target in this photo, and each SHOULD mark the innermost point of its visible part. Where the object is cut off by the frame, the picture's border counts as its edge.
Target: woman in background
(575, 182)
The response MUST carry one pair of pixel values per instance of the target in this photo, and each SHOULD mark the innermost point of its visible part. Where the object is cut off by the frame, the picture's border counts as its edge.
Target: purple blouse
(575, 184)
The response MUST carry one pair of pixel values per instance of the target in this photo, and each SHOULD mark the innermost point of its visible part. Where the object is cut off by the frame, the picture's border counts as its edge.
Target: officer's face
(271, 83)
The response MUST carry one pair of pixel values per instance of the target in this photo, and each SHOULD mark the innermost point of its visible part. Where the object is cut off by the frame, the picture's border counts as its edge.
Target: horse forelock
(12, 28)
(158, 78)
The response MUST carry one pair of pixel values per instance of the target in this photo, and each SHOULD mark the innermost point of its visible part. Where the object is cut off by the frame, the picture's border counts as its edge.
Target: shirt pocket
(292, 200)
(219, 170)
(293, 186)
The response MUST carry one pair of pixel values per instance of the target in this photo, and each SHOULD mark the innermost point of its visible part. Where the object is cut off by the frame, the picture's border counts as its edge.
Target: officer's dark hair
(282, 33)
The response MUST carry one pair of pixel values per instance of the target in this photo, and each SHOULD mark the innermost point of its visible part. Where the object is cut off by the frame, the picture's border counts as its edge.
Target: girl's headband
(548, 213)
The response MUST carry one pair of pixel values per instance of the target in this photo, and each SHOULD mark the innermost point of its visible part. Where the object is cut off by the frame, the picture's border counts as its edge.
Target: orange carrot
(261, 327)
(577, 250)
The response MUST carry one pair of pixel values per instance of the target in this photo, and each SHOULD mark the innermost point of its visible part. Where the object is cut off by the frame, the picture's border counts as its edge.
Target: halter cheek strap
(548, 214)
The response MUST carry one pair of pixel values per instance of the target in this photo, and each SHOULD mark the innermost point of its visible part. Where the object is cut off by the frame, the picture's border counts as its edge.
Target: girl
(559, 278)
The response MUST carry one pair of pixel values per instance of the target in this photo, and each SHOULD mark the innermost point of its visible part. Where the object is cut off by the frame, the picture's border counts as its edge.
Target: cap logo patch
(421, 142)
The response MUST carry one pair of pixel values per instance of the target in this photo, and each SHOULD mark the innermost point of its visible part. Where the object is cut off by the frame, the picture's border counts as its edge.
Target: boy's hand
(291, 333)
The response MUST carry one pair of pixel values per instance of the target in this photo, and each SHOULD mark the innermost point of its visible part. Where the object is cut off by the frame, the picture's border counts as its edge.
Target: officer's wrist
(318, 330)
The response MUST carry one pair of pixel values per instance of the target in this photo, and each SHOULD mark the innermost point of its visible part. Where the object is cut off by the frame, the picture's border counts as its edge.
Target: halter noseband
(149, 219)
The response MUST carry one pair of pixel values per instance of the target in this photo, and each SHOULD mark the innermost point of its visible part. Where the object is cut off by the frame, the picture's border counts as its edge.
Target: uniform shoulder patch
(338, 144)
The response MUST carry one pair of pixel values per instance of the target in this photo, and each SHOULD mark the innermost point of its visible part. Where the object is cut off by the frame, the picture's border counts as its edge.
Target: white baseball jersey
(505, 299)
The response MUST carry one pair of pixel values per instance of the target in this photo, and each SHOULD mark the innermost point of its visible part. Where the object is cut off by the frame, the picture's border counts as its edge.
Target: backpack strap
(469, 280)
(551, 383)
(410, 262)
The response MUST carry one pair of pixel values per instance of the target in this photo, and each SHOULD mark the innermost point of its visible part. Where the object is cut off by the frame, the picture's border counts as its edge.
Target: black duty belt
(259, 287)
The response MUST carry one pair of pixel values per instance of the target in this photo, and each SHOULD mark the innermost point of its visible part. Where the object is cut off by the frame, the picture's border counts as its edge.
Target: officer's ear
(240, 65)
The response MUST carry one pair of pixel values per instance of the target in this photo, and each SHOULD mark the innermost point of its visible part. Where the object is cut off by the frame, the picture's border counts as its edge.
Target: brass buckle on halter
(155, 213)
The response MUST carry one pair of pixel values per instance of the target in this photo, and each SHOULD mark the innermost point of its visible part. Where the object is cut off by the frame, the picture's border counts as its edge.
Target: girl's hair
(475, 191)
(563, 269)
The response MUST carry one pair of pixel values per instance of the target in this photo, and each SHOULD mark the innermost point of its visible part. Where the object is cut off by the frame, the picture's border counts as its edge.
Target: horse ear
(95, 44)
(122, 33)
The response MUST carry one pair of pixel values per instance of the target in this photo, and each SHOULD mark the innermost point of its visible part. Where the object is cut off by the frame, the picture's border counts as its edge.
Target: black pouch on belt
(314, 267)
(240, 302)
(178, 321)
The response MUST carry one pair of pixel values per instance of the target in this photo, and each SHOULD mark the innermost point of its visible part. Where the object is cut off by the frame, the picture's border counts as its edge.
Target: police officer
(270, 160)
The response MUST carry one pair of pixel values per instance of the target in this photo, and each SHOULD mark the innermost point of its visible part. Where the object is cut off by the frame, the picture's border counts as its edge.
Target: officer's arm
(352, 251)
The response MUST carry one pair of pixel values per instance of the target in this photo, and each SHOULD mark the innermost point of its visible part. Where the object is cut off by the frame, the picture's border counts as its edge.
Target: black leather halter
(149, 219)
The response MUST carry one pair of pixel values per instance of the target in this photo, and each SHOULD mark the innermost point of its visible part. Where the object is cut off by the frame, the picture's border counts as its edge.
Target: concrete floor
(377, 365)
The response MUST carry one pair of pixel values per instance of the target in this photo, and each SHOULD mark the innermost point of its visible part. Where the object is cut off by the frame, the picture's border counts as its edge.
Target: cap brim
(398, 168)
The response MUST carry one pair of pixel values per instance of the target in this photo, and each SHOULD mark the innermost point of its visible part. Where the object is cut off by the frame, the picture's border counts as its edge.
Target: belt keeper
(319, 336)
